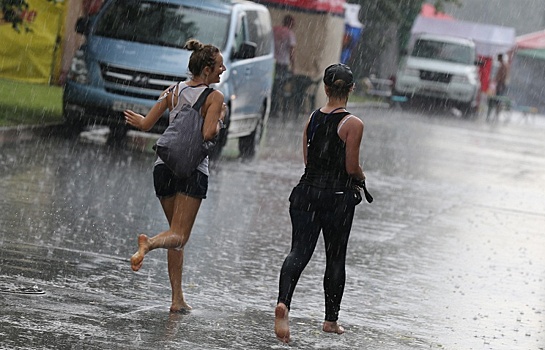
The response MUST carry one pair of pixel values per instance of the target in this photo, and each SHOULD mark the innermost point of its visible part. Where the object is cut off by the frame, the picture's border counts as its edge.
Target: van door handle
(248, 71)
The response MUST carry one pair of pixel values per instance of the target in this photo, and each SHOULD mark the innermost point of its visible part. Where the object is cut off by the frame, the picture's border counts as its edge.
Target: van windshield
(443, 51)
(151, 22)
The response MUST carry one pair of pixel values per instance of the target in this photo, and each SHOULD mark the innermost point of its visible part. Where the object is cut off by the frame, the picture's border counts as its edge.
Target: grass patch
(29, 104)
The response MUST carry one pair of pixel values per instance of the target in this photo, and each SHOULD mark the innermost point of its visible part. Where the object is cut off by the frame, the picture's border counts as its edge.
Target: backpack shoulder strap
(178, 89)
(200, 101)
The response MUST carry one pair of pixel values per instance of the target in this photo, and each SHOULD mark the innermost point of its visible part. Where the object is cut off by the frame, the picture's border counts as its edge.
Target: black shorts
(167, 184)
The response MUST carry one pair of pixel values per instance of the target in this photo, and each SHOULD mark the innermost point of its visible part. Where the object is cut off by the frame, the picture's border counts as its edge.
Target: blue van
(133, 51)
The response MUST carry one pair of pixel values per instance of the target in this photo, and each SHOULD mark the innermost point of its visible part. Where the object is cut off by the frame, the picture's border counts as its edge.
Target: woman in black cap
(325, 199)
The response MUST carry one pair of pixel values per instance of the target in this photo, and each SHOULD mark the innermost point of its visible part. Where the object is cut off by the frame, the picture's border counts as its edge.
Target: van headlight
(460, 79)
(78, 69)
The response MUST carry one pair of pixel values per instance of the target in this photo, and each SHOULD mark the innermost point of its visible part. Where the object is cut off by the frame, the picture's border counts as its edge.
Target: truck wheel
(248, 145)
(468, 110)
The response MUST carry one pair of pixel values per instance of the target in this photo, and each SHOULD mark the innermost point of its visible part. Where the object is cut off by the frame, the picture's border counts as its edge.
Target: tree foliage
(380, 18)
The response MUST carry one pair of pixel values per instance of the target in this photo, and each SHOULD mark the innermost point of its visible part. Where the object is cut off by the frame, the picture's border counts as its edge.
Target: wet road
(451, 255)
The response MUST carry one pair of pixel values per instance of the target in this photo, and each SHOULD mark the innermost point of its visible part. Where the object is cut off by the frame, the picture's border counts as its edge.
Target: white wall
(319, 42)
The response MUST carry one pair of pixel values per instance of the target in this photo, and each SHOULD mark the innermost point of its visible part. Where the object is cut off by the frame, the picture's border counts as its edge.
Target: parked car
(443, 67)
(133, 51)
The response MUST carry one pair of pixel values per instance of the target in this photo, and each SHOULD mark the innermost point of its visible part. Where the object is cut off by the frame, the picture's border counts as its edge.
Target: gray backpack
(182, 147)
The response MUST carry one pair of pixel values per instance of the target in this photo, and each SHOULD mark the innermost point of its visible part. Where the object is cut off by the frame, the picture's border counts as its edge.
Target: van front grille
(126, 82)
(145, 94)
(435, 76)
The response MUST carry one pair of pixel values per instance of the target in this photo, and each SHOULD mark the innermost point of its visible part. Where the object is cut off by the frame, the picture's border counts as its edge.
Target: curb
(26, 132)
(137, 140)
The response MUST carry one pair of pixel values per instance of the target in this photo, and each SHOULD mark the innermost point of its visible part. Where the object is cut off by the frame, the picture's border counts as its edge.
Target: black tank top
(326, 153)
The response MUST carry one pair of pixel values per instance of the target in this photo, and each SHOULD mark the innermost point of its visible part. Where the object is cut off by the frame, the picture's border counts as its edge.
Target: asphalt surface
(450, 255)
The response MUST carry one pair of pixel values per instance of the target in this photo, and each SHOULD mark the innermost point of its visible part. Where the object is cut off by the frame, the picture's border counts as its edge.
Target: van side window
(241, 34)
(260, 31)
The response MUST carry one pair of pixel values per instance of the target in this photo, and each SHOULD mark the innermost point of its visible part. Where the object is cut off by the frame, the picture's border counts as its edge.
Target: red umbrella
(534, 40)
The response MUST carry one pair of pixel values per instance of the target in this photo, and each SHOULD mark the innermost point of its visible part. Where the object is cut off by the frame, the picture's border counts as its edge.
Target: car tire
(117, 134)
(248, 145)
(468, 110)
(73, 129)
(72, 126)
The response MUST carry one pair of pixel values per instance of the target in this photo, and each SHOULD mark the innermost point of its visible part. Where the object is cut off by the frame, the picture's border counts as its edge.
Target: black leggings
(332, 214)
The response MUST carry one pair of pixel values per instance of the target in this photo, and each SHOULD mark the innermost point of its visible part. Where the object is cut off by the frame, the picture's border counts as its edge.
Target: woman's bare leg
(143, 248)
(136, 260)
(175, 268)
(184, 214)
(181, 211)
(175, 259)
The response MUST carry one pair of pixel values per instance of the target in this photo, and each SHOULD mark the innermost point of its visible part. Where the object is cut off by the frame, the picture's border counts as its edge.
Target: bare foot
(282, 323)
(332, 327)
(138, 258)
(182, 307)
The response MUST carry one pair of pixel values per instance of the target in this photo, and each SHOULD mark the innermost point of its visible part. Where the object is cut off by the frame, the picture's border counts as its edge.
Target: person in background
(500, 82)
(501, 76)
(284, 54)
(181, 198)
(324, 200)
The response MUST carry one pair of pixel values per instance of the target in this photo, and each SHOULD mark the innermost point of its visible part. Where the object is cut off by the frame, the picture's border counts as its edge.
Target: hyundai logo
(140, 80)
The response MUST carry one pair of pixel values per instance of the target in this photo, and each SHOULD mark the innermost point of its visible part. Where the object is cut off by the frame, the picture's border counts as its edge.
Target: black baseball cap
(338, 71)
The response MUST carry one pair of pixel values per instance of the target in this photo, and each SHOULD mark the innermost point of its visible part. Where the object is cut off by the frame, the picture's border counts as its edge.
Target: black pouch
(357, 197)
(309, 198)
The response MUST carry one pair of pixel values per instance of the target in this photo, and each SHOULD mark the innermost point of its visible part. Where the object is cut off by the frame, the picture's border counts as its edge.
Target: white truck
(441, 67)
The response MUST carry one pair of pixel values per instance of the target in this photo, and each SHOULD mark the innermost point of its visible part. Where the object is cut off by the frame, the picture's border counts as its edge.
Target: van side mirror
(404, 52)
(479, 63)
(82, 25)
(246, 50)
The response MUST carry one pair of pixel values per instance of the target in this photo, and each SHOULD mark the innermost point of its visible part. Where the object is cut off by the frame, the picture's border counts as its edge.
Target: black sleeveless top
(326, 153)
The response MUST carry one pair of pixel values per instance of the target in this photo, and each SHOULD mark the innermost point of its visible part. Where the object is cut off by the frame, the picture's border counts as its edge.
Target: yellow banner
(33, 56)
